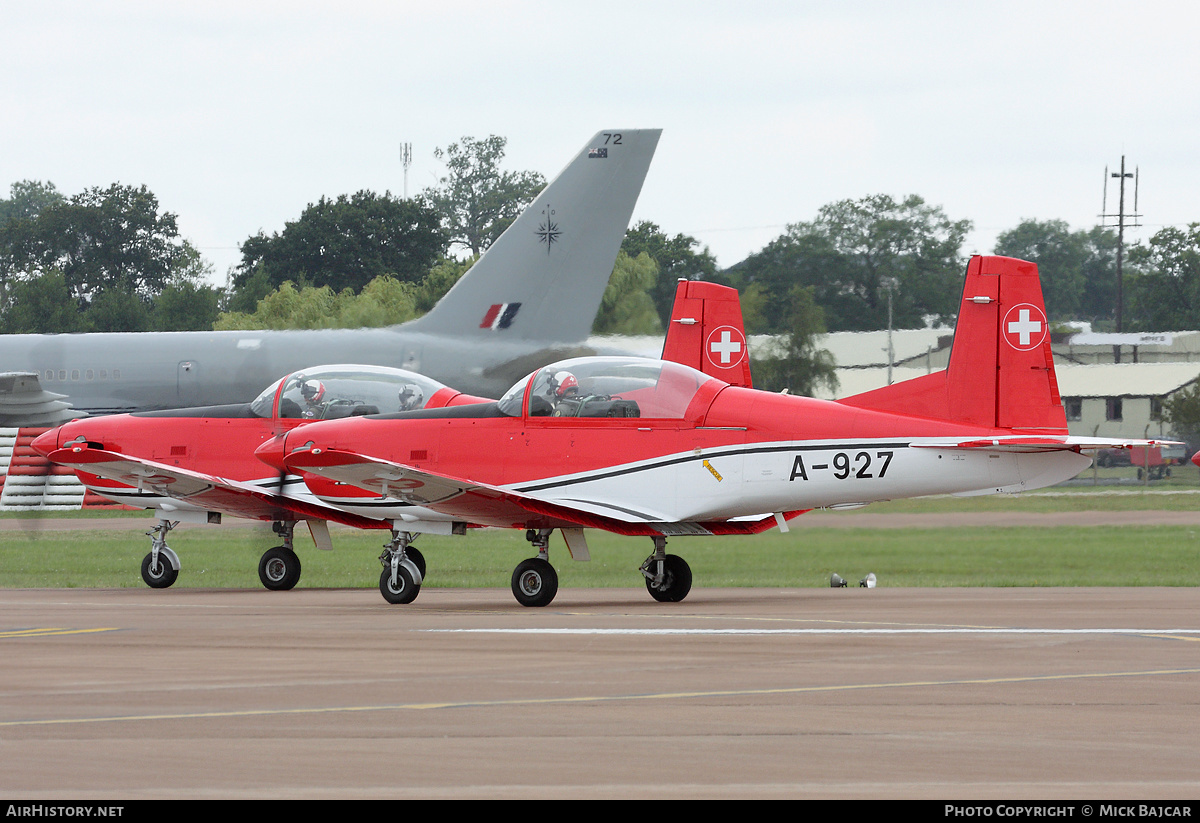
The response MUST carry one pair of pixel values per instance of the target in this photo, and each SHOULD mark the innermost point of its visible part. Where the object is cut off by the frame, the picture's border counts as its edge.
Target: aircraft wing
(204, 491)
(486, 505)
(1041, 443)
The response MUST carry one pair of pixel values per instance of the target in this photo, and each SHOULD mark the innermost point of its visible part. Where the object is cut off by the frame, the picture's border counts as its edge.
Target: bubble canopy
(330, 392)
(607, 387)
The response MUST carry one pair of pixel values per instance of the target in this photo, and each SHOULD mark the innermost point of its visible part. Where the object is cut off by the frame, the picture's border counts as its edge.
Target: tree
(117, 310)
(185, 306)
(796, 364)
(42, 304)
(114, 238)
(113, 251)
(676, 258)
(1182, 411)
(345, 244)
(626, 307)
(384, 301)
(1163, 293)
(441, 279)
(853, 252)
(1077, 269)
(476, 200)
(27, 200)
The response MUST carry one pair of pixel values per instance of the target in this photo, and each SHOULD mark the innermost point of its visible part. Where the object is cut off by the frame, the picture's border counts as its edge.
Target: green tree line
(111, 259)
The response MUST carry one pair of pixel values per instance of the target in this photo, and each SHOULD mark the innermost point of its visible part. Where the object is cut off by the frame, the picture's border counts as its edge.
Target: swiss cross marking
(1024, 327)
(726, 347)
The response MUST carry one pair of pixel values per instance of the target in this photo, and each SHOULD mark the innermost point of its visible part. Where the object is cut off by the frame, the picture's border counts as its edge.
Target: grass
(227, 557)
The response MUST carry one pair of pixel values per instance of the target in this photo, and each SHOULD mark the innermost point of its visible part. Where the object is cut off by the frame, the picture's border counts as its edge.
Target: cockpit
(331, 392)
(609, 387)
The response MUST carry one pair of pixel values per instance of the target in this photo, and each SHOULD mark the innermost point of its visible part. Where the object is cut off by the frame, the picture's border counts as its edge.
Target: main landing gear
(668, 576)
(403, 569)
(279, 568)
(534, 581)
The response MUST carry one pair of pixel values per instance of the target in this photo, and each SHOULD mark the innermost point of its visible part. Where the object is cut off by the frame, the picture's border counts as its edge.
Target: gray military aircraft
(530, 299)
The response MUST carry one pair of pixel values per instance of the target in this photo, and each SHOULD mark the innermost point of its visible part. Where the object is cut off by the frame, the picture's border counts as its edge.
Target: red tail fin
(1001, 372)
(706, 332)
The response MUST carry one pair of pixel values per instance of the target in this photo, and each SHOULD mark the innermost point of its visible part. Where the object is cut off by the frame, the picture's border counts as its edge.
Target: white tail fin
(544, 277)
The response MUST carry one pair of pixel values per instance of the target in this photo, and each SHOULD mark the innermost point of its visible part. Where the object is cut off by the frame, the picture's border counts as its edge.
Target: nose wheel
(403, 570)
(160, 568)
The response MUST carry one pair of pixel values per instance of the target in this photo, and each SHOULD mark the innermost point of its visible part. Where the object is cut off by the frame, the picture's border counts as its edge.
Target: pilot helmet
(411, 396)
(565, 384)
(312, 390)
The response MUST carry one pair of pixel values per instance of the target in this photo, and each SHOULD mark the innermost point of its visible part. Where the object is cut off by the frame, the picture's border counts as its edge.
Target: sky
(237, 115)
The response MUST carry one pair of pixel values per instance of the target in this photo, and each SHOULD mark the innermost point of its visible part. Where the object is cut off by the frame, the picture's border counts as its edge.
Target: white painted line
(709, 632)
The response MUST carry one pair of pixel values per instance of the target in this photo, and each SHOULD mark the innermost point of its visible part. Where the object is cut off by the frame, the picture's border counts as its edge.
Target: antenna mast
(406, 161)
(1121, 217)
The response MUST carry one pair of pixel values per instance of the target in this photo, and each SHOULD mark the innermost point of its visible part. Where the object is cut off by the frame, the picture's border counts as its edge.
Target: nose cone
(1196, 458)
(47, 442)
(272, 452)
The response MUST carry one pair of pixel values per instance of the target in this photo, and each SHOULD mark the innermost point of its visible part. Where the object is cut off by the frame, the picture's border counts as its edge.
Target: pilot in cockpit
(411, 397)
(313, 392)
(565, 395)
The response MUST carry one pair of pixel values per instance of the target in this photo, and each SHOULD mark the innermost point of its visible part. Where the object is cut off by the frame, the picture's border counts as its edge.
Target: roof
(858, 349)
(1103, 380)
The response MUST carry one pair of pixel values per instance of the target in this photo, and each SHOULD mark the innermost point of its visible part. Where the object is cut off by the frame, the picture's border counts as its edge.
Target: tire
(677, 581)
(534, 582)
(161, 577)
(405, 590)
(279, 569)
(418, 560)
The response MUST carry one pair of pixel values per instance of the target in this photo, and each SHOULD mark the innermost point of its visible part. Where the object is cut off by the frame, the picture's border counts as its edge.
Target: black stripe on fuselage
(727, 452)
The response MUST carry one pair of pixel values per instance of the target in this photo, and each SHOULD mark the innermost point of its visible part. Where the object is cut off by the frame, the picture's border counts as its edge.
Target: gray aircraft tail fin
(544, 277)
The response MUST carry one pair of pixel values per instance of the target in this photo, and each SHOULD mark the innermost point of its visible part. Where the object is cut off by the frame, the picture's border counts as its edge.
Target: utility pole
(1120, 217)
(890, 284)
(406, 161)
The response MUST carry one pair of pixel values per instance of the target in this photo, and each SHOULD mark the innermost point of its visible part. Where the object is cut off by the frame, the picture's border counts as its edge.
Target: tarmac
(1007, 694)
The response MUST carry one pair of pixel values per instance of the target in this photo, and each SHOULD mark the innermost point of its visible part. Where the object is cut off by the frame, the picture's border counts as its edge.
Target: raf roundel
(1025, 327)
(725, 347)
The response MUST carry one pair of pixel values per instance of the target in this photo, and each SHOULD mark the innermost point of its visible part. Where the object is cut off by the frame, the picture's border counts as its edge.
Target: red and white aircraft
(193, 465)
(657, 448)
(198, 464)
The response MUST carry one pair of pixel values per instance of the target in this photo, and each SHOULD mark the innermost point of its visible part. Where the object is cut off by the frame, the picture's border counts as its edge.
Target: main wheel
(160, 576)
(417, 558)
(279, 569)
(404, 590)
(534, 582)
(676, 582)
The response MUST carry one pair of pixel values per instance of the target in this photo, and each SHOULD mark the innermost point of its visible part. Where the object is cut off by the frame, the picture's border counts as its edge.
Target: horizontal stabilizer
(1027, 444)
(1001, 371)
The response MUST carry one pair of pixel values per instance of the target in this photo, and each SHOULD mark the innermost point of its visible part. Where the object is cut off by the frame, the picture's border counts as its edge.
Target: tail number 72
(860, 464)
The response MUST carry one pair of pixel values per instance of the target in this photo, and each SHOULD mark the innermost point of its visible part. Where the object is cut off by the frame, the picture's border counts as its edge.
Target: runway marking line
(542, 701)
(49, 632)
(776, 632)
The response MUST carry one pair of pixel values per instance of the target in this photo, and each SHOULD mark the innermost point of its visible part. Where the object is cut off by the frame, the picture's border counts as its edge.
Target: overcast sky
(238, 114)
